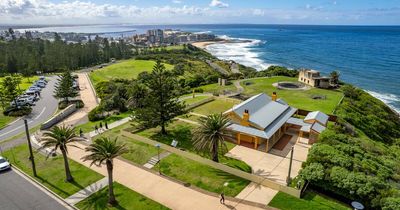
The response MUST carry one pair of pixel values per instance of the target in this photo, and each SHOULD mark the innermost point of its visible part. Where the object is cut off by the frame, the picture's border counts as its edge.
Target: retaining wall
(59, 117)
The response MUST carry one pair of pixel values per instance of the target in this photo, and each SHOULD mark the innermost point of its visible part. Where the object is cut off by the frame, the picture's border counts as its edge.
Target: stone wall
(59, 117)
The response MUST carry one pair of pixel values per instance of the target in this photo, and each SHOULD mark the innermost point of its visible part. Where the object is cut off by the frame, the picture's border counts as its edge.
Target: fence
(199, 103)
(251, 177)
(59, 117)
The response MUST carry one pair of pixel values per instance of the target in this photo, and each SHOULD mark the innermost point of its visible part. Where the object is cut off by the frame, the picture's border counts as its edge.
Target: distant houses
(262, 121)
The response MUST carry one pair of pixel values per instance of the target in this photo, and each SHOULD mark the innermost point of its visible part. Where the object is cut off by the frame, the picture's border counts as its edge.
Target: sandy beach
(203, 45)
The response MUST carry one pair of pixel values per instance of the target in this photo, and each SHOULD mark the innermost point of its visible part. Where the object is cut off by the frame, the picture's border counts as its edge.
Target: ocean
(366, 56)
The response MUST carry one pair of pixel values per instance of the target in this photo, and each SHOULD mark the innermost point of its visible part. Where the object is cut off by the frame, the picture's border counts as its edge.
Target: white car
(4, 164)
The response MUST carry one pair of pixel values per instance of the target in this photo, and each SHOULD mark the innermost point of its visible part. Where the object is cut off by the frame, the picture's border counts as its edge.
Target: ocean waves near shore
(243, 51)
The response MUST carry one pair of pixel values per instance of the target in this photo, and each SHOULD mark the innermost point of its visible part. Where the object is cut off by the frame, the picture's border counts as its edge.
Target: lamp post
(31, 158)
(159, 160)
(290, 166)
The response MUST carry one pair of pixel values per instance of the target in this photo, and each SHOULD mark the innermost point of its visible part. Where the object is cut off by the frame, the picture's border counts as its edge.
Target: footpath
(156, 187)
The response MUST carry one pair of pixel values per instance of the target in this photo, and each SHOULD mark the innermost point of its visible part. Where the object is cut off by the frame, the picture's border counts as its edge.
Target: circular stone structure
(288, 85)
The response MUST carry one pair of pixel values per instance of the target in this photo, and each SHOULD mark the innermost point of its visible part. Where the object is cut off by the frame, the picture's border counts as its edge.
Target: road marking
(14, 129)
(44, 108)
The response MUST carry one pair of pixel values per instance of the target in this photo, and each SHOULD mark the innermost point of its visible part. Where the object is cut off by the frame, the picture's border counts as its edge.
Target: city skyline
(318, 12)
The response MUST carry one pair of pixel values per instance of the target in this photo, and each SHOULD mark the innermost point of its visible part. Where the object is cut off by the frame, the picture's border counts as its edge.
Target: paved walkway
(273, 165)
(110, 126)
(187, 121)
(169, 193)
(87, 96)
(89, 190)
(257, 193)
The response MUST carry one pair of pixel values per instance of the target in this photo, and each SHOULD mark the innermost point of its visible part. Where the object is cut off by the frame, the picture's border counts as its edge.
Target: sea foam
(239, 50)
(388, 99)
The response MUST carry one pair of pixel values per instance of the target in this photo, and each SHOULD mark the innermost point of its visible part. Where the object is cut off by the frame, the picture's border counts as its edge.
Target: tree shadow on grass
(44, 181)
(98, 201)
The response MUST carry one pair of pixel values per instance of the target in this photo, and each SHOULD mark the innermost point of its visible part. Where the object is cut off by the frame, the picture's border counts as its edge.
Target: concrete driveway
(42, 111)
(275, 164)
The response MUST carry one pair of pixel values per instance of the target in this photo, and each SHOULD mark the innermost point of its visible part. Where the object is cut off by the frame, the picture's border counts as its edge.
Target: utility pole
(31, 158)
(290, 167)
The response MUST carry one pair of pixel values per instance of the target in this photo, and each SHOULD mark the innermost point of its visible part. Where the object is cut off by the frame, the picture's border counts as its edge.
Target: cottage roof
(262, 109)
(320, 117)
(318, 127)
(265, 114)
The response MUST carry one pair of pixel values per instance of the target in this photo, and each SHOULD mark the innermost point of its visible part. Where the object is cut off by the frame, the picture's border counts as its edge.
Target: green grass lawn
(297, 98)
(139, 152)
(202, 176)
(191, 117)
(89, 126)
(310, 201)
(211, 88)
(4, 120)
(178, 167)
(196, 99)
(216, 106)
(128, 69)
(51, 171)
(127, 199)
(26, 82)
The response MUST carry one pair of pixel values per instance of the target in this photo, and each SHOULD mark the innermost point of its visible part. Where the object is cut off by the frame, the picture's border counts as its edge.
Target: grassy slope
(211, 88)
(51, 171)
(310, 201)
(216, 106)
(191, 100)
(128, 69)
(127, 199)
(297, 98)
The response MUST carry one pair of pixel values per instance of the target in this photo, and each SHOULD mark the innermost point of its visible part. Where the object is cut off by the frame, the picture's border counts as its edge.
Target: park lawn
(196, 99)
(51, 172)
(26, 82)
(89, 126)
(182, 132)
(191, 117)
(128, 69)
(201, 175)
(298, 98)
(310, 201)
(216, 88)
(139, 152)
(5, 120)
(127, 199)
(214, 107)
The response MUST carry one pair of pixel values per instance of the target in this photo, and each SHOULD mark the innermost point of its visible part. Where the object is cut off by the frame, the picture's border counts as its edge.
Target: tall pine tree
(161, 103)
(65, 88)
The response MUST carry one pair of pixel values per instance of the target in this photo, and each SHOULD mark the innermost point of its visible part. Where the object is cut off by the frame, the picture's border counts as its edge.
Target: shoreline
(203, 45)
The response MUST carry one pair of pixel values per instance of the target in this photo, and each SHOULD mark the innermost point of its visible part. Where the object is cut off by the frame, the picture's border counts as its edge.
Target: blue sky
(343, 12)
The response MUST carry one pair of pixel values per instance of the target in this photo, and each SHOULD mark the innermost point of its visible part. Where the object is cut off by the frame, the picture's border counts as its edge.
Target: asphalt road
(18, 193)
(41, 112)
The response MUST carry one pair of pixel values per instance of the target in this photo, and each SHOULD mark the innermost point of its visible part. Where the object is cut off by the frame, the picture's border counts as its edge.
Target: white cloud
(218, 3)
(177, 1)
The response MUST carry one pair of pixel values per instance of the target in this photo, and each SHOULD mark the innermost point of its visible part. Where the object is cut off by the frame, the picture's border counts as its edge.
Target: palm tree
(335, 77)
(60, 137)
(210, 135)
(105, 150)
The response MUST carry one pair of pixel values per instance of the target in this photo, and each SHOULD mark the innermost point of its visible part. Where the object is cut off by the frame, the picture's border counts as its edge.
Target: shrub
(96, 114)
(17, 112)
(63, 104)
(198, 90)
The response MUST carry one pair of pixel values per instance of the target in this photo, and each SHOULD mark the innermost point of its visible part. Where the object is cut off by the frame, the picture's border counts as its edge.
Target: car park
(31, 93)
(28, 98)
(22, 102)
(4, 164)
(40, 84)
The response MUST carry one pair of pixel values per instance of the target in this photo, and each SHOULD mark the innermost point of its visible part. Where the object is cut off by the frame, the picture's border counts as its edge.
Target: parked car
(40, 84)
(4, 164)
(28, 98)
(35, 89)
(43, 78)
(22, 102)
(31, 93)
